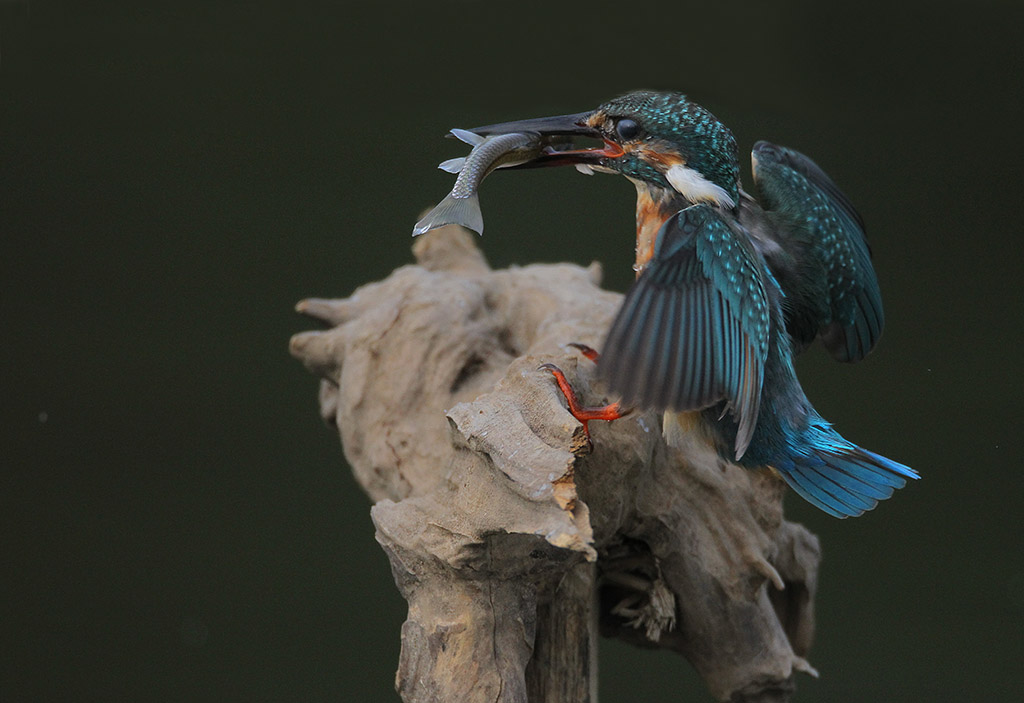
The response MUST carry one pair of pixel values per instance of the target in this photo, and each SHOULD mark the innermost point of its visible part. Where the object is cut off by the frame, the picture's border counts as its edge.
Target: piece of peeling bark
(507, 536)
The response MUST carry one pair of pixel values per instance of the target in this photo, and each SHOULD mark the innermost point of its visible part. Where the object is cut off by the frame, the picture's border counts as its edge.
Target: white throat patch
(695, 188)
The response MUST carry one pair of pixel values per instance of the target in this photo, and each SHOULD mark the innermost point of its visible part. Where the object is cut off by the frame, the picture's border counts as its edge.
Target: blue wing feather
(825, 234)
(693, 330)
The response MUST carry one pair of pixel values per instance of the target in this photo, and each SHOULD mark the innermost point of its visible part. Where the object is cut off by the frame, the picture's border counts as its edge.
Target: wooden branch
(509, 539)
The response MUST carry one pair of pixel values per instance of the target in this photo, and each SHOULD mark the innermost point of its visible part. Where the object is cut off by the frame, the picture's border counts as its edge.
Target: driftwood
(512, 540)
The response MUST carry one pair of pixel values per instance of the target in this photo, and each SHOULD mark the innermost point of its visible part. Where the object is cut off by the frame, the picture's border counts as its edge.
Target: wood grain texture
(511, 540)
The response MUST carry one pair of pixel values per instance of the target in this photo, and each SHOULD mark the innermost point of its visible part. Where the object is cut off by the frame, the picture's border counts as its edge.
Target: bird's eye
(627, 129)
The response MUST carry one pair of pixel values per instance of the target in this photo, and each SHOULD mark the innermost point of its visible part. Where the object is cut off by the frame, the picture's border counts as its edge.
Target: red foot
(586, 351)
(583, 413)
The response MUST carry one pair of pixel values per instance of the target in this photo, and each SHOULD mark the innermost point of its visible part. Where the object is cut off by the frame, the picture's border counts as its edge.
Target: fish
(462, 205)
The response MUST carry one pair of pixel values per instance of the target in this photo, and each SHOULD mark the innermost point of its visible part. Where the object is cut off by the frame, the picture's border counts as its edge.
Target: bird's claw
(586, 351)
(581, 412)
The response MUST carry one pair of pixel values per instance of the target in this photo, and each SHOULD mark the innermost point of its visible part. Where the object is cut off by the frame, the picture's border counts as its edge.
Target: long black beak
(557, 133)
(562, 125)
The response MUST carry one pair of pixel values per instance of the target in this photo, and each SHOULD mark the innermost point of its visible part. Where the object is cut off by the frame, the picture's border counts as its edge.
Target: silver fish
(462, 205)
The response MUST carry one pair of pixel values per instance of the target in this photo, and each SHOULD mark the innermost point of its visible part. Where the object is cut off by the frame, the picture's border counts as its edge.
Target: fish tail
(453, 211)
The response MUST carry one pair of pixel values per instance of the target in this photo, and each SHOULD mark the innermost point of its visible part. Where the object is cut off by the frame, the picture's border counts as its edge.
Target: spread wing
(693, 330)
(832, 291)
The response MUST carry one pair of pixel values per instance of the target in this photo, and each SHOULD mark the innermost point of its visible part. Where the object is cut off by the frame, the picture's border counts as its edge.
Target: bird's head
(661, 141)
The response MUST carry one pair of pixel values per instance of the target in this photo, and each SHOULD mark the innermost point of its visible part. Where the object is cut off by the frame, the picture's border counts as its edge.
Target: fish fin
(453, 165)
(464, 135)
(453, 211)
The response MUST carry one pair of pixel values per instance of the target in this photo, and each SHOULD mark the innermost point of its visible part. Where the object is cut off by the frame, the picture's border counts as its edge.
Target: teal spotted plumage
(703, 329)
(730, 288)
(827, 470)
(694, 330)
(834, 293)
(701, 139)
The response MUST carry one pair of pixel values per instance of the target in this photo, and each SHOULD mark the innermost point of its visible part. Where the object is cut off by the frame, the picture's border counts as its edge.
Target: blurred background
(177, 523)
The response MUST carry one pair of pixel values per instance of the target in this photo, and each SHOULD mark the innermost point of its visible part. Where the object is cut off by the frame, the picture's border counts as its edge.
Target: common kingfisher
(728, 289)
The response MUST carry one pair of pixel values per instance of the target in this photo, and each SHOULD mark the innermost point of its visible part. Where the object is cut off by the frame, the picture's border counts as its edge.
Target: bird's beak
(562, 125)
(558, 133)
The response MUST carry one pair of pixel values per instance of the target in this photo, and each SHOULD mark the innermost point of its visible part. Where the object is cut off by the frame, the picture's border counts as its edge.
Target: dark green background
(176, 522)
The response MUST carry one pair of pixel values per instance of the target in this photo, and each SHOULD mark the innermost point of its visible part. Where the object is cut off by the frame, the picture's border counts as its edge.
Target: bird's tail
(453, 211)
(843, 479)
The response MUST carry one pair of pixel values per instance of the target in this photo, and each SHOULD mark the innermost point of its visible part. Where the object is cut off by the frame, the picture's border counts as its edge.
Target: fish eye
(627, 129)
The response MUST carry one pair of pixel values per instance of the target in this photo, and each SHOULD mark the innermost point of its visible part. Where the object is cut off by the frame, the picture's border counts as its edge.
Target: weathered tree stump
(510, 539)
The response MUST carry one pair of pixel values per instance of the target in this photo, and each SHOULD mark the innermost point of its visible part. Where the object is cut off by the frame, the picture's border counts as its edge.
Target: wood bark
(512, 539)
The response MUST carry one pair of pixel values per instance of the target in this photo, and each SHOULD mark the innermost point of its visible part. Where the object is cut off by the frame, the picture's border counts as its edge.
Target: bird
(729, 288)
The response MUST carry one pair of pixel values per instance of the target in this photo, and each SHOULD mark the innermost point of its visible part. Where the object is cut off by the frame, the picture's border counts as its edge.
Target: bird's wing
(693, 330)
(826, 235)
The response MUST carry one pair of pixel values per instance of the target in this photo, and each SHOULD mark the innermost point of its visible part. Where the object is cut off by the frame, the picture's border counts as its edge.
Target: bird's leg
(584, 413)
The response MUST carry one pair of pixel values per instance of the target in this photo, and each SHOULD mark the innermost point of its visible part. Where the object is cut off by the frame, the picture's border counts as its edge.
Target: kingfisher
(729, 288)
